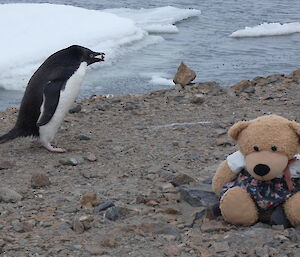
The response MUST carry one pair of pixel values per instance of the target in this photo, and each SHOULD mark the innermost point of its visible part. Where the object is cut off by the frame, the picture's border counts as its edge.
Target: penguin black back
(58, 67)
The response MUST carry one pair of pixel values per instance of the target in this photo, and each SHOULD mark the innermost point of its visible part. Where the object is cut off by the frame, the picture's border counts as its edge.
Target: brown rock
(172, 250)
(39, 179)
(6, 165)
(109, 242)
(242, 85)
(184, 75)
(182, 179)
(89, 200)
(296, 74)
(91, 157)
(171, 210)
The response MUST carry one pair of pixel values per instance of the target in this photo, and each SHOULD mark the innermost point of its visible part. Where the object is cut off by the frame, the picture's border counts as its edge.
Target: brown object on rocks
(89, 200)
(184, 75)
(296, 73)
(182, 179)
(39, 179)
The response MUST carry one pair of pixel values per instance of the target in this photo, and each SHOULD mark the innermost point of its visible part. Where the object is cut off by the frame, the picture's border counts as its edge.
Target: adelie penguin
(50, 94)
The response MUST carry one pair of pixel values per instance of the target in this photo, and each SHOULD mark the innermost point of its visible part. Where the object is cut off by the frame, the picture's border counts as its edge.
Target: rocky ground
(119, 190)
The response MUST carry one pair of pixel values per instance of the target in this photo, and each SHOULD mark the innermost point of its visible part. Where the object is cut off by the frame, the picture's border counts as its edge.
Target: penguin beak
(99, 57)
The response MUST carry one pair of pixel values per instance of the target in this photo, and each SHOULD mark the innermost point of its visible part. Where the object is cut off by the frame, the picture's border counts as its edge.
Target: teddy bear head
(268, 143)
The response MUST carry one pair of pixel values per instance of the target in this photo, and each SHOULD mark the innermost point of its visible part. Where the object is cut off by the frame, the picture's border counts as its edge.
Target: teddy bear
(264, 174)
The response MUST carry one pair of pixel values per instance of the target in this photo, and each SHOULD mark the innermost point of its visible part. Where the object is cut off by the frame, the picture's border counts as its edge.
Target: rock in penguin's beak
(99, 57)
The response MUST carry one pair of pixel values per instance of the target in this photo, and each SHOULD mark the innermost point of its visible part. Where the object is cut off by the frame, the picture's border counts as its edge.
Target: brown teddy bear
(263, 174)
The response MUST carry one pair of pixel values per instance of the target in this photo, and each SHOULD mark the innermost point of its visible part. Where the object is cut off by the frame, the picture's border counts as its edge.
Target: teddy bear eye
(274, 148)
(256, 149)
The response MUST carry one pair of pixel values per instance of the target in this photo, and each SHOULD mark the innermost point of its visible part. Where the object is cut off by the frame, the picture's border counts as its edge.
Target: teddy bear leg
(292, 209)
(237, 207)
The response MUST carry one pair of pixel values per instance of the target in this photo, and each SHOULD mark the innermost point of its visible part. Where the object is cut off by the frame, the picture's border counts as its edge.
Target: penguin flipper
(50, 101)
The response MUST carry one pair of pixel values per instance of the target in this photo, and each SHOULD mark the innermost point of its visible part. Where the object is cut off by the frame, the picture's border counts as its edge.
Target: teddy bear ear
(296, 127)
(237, 128)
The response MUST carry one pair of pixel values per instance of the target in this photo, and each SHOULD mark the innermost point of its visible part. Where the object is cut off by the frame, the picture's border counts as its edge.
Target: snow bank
(157, 80)
(156, 20)
(268, 29)
(31, 32)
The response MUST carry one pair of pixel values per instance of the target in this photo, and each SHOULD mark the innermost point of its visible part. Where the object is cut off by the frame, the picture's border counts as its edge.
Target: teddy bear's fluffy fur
(271, 140)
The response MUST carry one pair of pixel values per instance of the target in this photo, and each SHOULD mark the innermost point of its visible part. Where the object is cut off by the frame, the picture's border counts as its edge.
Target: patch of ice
(268, 29)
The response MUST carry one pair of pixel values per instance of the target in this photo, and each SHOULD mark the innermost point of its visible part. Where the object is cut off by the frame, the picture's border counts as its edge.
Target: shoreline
(129, 150)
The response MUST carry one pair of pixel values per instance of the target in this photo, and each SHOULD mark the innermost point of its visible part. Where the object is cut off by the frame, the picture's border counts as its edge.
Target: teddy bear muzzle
(266, 165)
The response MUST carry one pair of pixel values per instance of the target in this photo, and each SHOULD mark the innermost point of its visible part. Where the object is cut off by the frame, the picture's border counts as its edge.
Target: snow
(156, 20)
(31, 32)
(268, 29)
(157, 80)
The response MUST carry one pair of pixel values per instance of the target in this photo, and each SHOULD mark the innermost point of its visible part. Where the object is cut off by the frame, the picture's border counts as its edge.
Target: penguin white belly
(66, 100)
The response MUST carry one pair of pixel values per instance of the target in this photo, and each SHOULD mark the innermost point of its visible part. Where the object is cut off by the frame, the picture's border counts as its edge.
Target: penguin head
(87, 55)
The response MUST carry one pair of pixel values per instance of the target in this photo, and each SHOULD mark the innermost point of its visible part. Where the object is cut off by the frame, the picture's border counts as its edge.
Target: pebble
(6, 165)
(112, 213)
(75, 109)
(84, 137)
(197, 197)
(71, 161)
(198, 99)
(182, 179)
(172, 250)
(39, 179)
(91, 157)
(9, 196)
(104, 206)
(89, 200)
(221, 247)
(109, 242)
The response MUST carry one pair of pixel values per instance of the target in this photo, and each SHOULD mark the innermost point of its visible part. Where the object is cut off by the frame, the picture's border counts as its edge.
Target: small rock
(222, 142)
(77, 225)
(242, 85)
(91, 157)
(104, 107)
(9, 196)
(197, 197)
(182, 179)
(104, 206)
(84, 137)
(109, 242)
(39, 179)
(95, 250)
(214, 226)
(89, 200)
(171, 210)
(141, 199)
(197, 99)
(151, 203)
(6, 165)
(112, 213)
(166, 187)
(71, 161)
(75, 109)
(221, 247)
(184, 75)
(160, 228)
(172, 250)
(296, 73)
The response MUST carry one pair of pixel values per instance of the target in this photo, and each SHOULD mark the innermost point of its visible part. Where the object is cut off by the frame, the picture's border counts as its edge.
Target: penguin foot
(54, 149)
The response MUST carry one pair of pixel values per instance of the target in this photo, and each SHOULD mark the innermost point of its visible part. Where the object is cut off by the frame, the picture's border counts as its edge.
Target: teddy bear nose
(261, 169)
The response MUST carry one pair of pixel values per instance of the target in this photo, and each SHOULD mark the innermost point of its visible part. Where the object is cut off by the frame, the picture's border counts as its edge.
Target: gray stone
(75, 109)
(72, 161)
(77, 225)
(104, 107)
(198, 99)
(9, 196)
(104, 206)
(112, 213)
(184, 75)
(84, 137)
(160, 228)
(197, 197)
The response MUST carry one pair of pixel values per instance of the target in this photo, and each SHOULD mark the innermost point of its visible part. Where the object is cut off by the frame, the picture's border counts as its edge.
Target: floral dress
(266, 194)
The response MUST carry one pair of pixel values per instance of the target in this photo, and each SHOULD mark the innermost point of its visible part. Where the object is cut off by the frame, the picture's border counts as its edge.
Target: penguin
(50, 94)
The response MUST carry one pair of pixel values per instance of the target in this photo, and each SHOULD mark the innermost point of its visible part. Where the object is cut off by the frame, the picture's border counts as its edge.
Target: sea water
(146, 40)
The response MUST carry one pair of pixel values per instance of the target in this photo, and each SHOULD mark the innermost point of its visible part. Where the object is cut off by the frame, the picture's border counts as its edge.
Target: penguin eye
(274, 148)
(91, 55)
(256, 149)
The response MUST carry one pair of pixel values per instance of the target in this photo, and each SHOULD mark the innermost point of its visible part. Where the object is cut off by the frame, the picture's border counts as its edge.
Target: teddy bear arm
(292, 209)
(222, 176)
